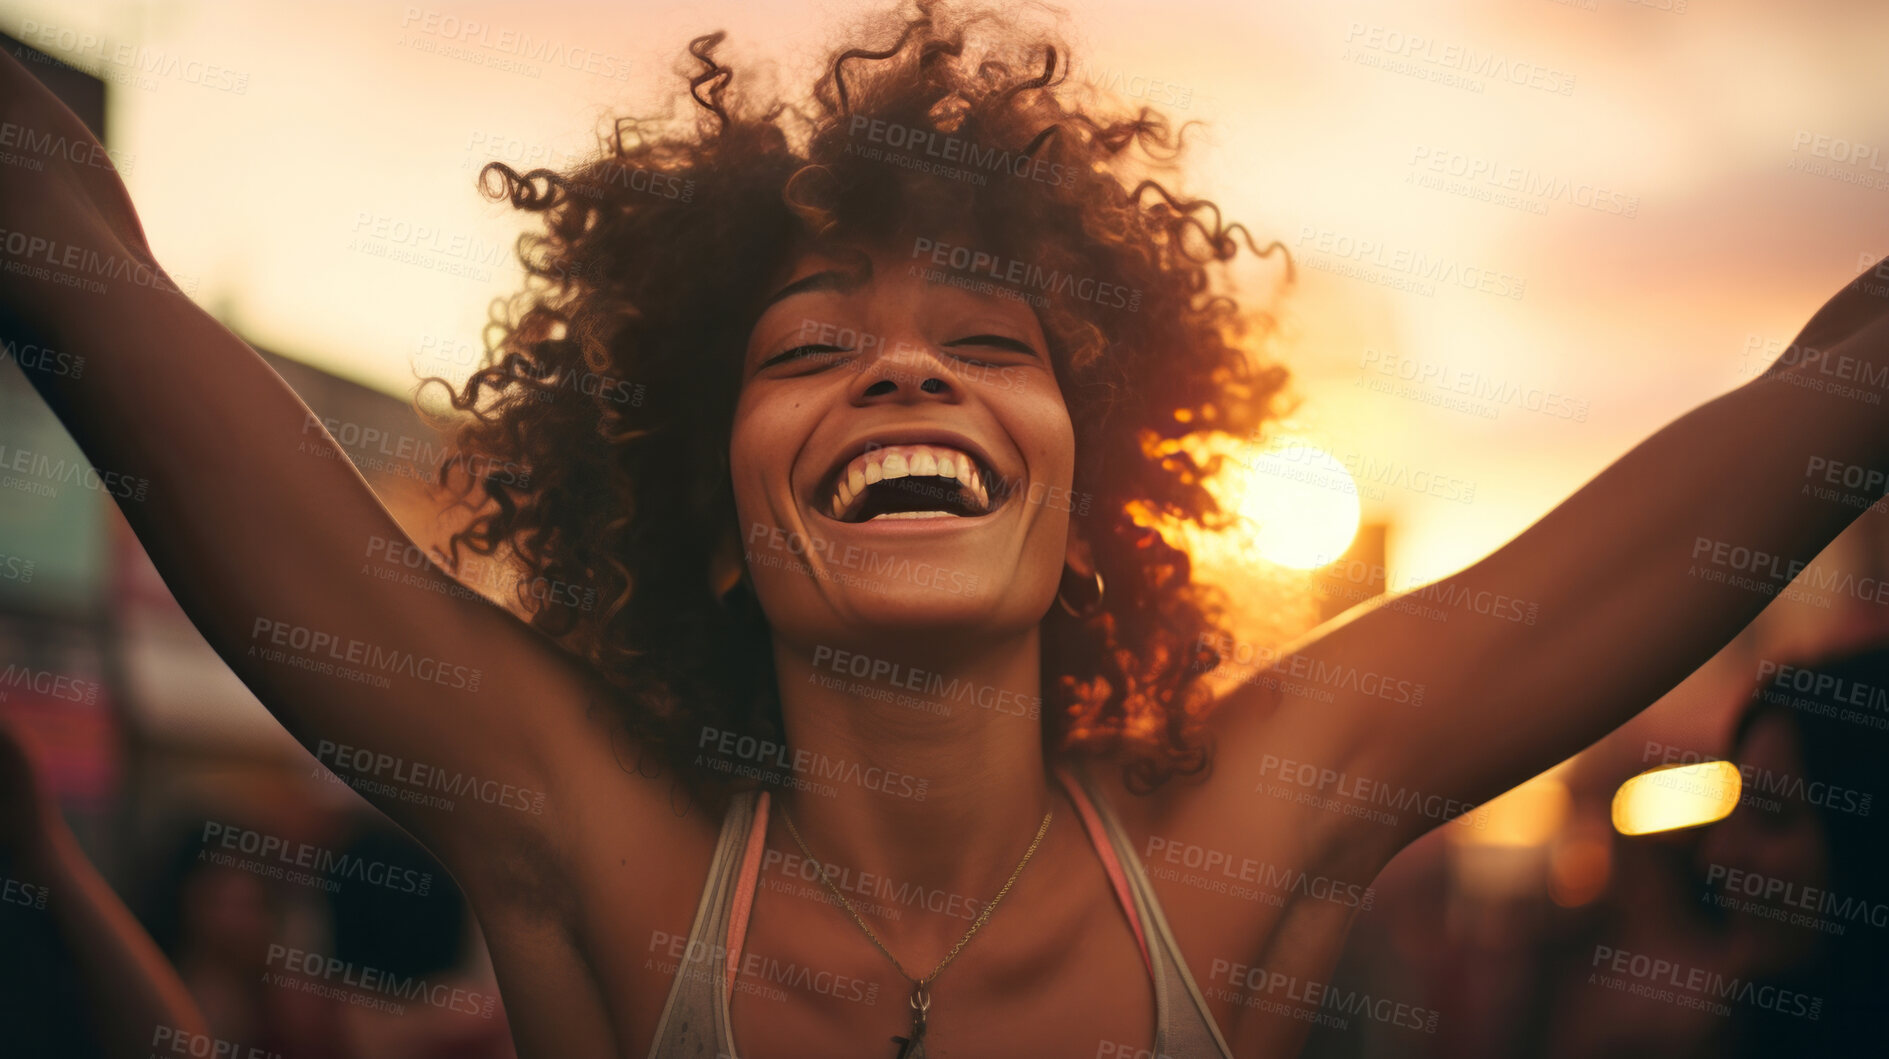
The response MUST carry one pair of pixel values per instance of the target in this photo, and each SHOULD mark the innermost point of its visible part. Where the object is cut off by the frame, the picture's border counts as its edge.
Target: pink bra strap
(745, 885)
(1098, 835)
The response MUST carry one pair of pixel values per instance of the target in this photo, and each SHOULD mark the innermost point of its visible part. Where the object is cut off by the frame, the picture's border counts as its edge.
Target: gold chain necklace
(921, 997)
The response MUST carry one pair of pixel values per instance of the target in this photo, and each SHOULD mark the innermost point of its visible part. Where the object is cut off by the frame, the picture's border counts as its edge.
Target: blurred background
(1527, 235)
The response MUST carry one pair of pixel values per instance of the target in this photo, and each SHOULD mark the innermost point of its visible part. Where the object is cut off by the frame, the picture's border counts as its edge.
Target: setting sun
(1300, 503)
(1296, 506)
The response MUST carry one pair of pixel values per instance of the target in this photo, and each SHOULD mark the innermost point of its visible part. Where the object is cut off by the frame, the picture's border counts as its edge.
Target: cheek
(1040, 422)
(768, 431)
(748, 470)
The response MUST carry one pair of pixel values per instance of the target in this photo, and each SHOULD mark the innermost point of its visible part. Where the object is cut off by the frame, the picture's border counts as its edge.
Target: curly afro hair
(646, 279)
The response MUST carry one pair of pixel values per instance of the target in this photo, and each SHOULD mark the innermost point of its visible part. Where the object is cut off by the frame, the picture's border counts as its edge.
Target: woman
(725, 411)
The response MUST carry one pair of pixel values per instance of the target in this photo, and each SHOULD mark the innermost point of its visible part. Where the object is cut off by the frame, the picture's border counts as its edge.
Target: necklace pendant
(921, 1006)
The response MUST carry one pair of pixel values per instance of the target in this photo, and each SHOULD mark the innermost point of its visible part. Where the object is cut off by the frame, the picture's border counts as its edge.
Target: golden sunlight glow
(1301, 502)
(1579, 868)
(1289, 503)
(1676, 796)
(1297, 504)
(1530, 815)
(1458, 385)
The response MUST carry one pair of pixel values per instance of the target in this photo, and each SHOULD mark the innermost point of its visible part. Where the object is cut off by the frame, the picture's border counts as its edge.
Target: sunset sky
(1649, 196)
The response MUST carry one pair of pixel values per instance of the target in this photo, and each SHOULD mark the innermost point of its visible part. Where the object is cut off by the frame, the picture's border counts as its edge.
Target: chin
(906, 618)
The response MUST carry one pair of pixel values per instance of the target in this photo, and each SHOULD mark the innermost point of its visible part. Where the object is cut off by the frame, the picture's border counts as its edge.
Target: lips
(935, 478)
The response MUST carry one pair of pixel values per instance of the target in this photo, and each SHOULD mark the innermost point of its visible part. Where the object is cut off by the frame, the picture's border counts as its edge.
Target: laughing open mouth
(914, 481)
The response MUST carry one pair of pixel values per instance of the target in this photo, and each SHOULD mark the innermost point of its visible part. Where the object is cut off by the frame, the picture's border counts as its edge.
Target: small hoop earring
(1095, 605)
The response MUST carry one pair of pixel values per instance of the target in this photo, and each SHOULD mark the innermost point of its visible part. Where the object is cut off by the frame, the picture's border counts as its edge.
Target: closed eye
(996, 342)
(801, 352)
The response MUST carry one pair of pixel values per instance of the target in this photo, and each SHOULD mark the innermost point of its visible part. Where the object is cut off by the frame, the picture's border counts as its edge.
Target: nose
(908, 373)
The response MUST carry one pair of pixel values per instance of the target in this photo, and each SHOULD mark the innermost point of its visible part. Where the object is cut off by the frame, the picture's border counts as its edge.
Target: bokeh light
(1530, 815)
(1676, 796)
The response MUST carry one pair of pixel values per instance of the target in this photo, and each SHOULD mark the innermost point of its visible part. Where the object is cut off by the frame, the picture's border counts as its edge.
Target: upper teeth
(902, 461)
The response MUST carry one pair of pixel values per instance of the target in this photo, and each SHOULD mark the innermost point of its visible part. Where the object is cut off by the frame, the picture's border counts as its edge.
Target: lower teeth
(912, 514)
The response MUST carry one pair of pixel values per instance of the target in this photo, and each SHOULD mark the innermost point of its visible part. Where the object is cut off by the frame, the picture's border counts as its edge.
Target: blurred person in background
(79, 977)
(383, 907)
(1784, 898)
(1795, 893)
(429, 937)
(216, 923)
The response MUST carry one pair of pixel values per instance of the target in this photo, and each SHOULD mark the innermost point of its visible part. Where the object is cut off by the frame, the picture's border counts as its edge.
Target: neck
(925, 769)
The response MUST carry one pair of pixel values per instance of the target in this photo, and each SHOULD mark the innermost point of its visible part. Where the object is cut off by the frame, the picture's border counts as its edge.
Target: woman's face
(901, 457)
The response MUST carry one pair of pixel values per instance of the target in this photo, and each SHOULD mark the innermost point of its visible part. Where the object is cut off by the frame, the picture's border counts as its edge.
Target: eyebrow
(829, 279)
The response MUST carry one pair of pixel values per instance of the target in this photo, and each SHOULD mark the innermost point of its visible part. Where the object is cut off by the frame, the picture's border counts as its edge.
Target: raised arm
(269, 537)
(1450, 694)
